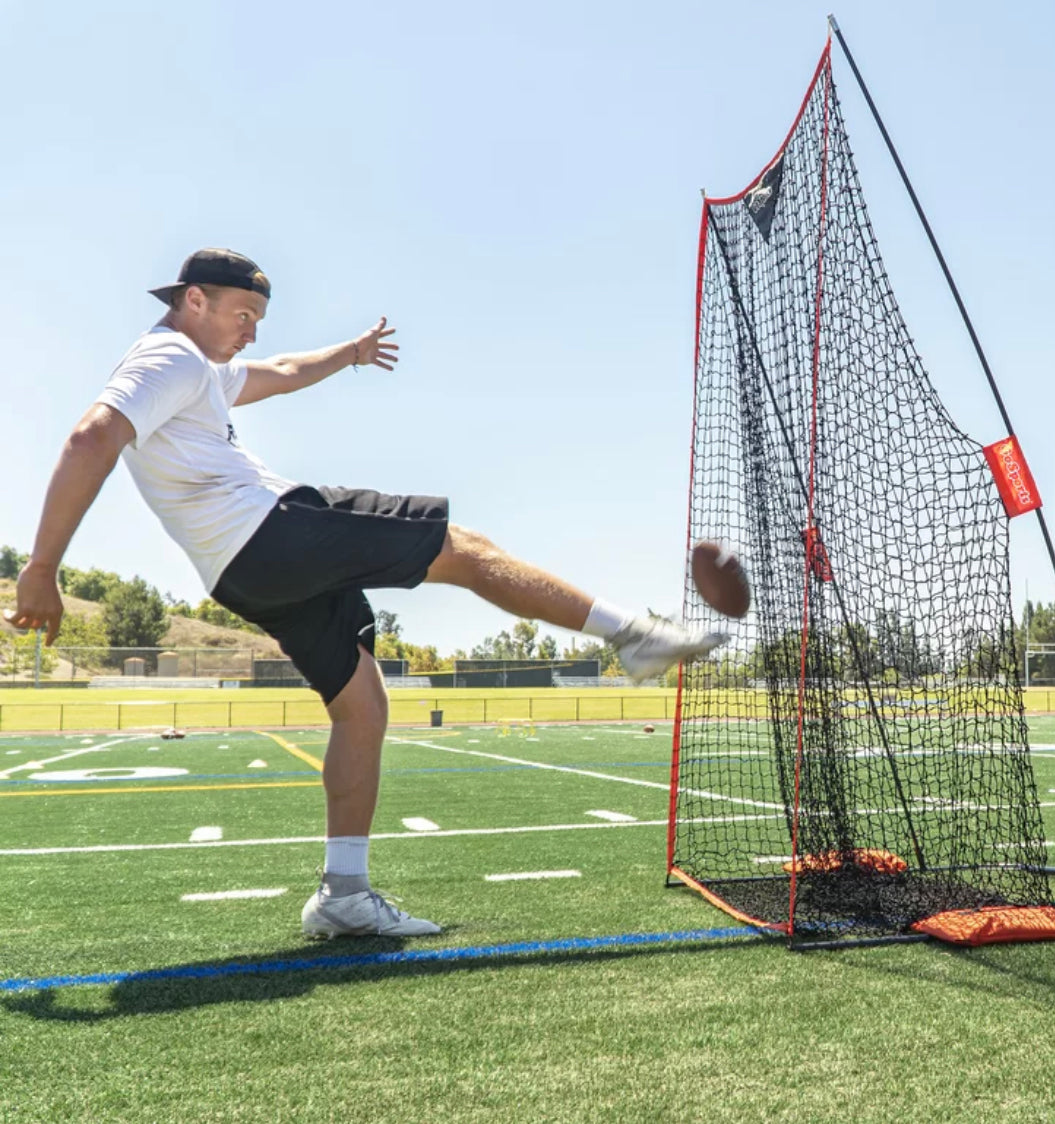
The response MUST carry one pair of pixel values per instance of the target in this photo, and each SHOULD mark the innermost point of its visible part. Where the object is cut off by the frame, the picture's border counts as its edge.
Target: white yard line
(106, 848)
(73, 753)
(231, 895)
(449, 833)
(532, 875)
(633, 732)
(589, 773)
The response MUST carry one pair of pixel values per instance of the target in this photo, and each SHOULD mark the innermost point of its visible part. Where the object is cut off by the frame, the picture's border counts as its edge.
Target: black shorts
(301, 576)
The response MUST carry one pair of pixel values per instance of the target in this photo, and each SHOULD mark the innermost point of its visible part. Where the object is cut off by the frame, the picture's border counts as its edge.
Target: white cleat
(366, 914)
(648, 647)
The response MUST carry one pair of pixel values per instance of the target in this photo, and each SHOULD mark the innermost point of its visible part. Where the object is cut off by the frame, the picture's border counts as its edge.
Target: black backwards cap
(217, 267)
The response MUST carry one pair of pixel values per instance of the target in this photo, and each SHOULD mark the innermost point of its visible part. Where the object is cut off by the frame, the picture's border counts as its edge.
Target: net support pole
(941, 261)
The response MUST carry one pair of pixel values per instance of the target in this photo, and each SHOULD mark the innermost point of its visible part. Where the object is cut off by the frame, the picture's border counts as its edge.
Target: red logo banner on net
(1014, 481)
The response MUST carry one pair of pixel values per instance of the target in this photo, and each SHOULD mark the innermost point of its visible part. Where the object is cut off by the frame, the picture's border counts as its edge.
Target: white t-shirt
(209, 493)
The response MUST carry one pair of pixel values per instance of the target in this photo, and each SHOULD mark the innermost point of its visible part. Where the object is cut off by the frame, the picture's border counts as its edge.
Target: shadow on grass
(1022, 970)
(298, 971)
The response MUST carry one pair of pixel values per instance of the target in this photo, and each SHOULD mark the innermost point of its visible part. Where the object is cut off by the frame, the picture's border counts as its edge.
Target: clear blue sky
(517, 189)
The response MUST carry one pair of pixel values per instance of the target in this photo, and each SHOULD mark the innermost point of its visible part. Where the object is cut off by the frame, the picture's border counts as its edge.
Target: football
(720, 579)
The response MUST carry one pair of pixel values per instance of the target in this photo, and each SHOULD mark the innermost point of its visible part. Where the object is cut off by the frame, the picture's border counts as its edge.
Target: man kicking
(292, 558)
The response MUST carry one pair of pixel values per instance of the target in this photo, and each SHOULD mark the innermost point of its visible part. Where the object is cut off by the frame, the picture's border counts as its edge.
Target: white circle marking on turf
(142, 773)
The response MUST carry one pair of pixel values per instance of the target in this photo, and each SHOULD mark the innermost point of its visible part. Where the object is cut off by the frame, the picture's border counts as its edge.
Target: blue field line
(375, 959)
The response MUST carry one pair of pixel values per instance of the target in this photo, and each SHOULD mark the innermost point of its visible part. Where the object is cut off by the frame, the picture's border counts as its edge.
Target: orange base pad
(991, 925)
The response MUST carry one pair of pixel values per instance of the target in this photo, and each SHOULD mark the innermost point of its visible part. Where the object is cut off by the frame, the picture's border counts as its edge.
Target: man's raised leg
(646, 646)
(471, 560)
(345, 904)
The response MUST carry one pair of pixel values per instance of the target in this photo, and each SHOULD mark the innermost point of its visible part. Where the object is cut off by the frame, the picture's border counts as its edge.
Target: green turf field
(583, 990)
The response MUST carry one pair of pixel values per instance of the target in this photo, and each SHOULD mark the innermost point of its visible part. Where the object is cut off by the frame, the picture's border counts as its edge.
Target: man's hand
(283, 374)
(39, 603)
(374, 347)
(87, 458)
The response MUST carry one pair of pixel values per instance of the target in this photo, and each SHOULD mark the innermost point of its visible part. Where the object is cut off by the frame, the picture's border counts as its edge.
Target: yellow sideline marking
(128, 791)
(314, 762)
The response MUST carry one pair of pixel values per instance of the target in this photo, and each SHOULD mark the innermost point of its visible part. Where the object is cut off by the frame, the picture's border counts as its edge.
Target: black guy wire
(941, 261)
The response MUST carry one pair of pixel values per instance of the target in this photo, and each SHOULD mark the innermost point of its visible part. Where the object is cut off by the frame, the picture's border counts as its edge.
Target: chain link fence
(35, 663)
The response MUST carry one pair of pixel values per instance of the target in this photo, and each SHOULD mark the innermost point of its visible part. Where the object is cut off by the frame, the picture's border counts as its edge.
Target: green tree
(388, 646)
(212, 612)
(86, 643)
(387, 623)
(134, 615)
(595, 650)
(500, 647)
(547, 648)
(900, 647)
(11, 562)
(918, 656)
(177, 607)
(1041, 631)
(524, 633)
(988, 655)
(81, 631)
(424, 658)
(89, 585)
(18, 654)
(778, 659)
(613, 669)
(888, 639)
(856, 653)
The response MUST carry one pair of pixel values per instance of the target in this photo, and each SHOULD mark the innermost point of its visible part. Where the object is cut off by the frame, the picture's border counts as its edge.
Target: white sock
(606, 619)
(347, 854)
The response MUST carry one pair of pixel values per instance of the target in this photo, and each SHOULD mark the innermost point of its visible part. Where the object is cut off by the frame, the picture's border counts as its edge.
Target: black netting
(870, 700)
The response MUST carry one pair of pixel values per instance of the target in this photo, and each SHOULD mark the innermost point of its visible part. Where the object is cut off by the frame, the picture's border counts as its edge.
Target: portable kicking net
(855, 761)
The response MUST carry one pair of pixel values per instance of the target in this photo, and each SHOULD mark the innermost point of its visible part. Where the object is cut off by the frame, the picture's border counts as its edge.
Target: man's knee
(363, 699)
(465, 553)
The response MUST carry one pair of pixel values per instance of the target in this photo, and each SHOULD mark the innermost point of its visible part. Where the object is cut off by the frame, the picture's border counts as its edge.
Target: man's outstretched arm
(87, 458)
(282, 374)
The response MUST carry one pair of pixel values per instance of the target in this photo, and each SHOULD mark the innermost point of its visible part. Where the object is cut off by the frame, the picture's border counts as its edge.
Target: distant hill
(188, 632)
(183, 632)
